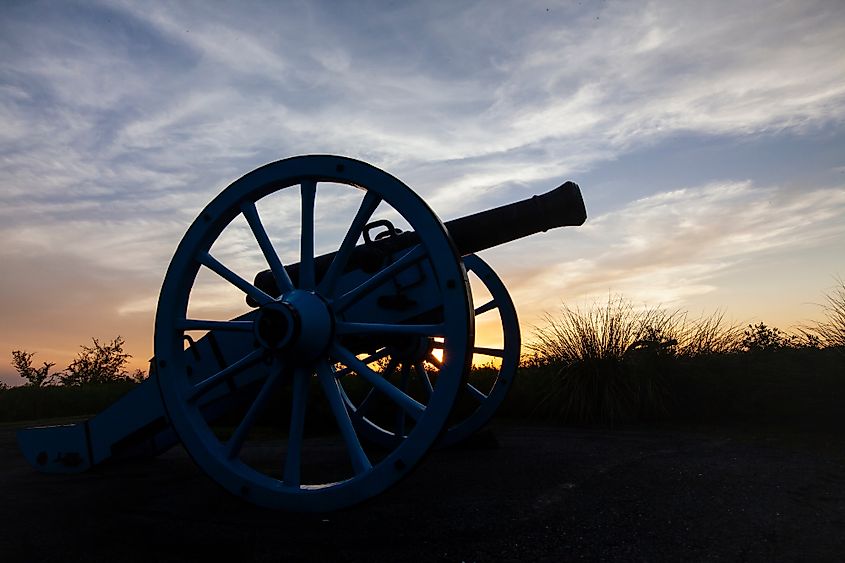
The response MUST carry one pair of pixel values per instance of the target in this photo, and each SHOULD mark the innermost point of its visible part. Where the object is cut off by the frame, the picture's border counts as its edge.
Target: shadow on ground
(520, 493)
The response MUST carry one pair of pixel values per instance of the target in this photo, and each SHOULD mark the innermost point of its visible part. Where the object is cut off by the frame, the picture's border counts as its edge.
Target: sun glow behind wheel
(496, 361)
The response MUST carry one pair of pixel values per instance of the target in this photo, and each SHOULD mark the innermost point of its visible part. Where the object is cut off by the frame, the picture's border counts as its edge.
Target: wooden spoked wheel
(300, 350)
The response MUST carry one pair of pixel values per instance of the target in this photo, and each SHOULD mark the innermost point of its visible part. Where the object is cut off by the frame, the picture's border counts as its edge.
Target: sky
(708, 139)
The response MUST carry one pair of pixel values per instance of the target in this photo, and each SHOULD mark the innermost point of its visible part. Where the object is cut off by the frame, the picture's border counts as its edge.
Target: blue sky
(708, 139)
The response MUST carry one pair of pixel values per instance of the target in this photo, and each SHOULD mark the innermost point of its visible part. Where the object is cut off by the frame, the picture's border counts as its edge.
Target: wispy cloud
(668, 247)
(515, 89)
(121, 120)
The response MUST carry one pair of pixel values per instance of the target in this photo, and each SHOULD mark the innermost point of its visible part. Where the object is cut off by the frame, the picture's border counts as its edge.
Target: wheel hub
(299, 326)
(277, 325)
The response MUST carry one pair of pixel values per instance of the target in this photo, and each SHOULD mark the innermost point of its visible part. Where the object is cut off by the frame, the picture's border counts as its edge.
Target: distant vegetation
(831, 331)
(614, 363)
(29, 403)
(91, 382)
(100, 363)
(611, 363)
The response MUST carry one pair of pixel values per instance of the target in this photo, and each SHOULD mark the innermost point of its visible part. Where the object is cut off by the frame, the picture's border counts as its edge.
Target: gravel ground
(518, 493)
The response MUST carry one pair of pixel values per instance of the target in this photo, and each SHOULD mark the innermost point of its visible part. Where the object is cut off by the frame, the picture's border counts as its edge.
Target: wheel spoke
(371, 398)
(308, 189)
(366, 403)
(343, 327)
(423, 375)
(365, 211)
(208, 383)
(384, 352)
(432, 359)
(484, 351)
(199, 324)
(475, 392)
(330, 385)
(407, 260)
(214, 265)
(299, 402)
(489, 306)
(405, 374)
(279, 273)
(412, 407)
(236, 441)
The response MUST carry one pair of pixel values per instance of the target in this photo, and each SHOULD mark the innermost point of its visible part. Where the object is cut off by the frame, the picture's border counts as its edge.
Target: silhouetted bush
(100, 363)
(761, 338)
(35, 377)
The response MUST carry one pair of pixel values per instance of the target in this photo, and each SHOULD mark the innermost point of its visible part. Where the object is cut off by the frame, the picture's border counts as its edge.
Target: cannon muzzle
(561, 207)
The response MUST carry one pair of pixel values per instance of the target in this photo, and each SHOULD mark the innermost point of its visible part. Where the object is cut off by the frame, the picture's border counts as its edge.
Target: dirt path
(522, 493)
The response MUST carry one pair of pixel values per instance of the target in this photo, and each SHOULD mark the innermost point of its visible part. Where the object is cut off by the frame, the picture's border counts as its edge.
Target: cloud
(490, 93)
(669, 247)
(121, 120)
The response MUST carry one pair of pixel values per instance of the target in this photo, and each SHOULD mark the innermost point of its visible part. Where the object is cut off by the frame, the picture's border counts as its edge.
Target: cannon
(327, 378)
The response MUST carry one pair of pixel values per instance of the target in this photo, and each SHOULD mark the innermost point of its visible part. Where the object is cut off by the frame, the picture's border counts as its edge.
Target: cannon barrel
(560, 207)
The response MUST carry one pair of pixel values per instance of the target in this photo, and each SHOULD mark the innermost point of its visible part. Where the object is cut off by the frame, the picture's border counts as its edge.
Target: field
(521, 492)
(746, 461)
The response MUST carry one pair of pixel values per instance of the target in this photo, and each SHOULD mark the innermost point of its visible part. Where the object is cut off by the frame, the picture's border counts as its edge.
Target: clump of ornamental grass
(611, 361)
(830, 332)
(707, 335)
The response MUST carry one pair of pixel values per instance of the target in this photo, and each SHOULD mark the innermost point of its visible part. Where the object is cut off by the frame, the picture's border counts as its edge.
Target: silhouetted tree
(101, 363)
(35, 377)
